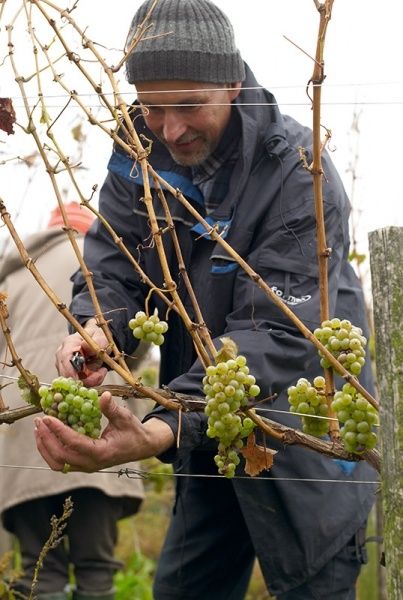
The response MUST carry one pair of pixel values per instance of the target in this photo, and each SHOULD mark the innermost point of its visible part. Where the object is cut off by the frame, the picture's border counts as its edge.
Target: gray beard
(191, 161)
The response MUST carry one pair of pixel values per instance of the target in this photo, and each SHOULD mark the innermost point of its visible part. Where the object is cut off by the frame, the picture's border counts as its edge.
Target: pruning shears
(77, 361)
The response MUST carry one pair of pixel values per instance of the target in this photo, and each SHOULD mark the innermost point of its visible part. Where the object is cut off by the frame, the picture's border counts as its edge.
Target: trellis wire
(140, 474)
(279, 104)
(250, 88)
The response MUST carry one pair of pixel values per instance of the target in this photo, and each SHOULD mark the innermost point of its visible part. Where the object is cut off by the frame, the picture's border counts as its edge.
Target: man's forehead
(169, 92)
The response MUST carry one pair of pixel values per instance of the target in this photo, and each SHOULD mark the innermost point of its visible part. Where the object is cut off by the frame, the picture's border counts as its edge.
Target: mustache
(186, 138)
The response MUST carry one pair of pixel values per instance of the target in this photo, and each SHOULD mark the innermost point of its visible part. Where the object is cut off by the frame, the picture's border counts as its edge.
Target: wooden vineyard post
(386, 252)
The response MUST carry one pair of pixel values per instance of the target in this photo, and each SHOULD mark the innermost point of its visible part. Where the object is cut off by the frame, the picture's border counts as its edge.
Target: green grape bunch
(75, 405)
(310, 401)
(358, 417)
(228, 385)
(149, 329)
(345, 342)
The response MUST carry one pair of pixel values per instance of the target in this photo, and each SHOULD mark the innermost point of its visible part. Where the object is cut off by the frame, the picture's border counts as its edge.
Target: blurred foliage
(357, 257)
(144, 532)
(135, 581)
(159, 474)
(149, 376)
(8, 575)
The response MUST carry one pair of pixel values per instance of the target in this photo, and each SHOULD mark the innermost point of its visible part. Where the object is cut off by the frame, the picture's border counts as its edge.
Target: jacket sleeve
(284, 254)
(117, 284)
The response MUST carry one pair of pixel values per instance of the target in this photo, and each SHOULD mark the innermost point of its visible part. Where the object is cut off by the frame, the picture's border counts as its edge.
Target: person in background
(221, 138)
(31, 494)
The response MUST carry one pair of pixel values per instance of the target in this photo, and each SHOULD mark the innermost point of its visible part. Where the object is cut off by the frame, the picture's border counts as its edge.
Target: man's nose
(174, 127)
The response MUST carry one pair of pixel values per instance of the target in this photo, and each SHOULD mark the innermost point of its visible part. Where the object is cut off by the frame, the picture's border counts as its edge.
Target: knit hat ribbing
(189, 40)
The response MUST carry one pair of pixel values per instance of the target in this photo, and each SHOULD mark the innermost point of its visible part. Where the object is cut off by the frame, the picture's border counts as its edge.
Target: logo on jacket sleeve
(289, 299)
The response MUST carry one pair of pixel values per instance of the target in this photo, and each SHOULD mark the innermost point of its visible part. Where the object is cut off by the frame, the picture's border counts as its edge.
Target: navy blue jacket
(268, 217)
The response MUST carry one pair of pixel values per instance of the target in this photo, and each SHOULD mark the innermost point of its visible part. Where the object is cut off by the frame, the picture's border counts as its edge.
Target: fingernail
(37, 423)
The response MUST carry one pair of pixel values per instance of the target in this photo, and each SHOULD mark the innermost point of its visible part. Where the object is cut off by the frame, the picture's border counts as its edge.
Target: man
(29, 497)
(221, 139)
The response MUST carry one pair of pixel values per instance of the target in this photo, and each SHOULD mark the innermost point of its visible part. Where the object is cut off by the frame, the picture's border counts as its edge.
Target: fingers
(124, 439)
(91, 376)
(48, 444)
(59, 444)
(91, 358)
(65, 351)
(116, 414)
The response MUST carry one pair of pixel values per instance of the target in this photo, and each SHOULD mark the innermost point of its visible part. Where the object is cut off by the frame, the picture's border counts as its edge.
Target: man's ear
(234, 90)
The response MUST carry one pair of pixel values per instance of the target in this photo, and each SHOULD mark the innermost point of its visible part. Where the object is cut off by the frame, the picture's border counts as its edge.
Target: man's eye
(151, 110)
(188, 108)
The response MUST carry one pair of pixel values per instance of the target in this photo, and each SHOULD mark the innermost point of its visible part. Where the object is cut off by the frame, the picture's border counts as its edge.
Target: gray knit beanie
(198, 44)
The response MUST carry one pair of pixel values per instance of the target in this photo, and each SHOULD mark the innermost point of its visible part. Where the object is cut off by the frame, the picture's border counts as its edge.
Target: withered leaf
(29, 389)
(7, 115)
(77, 133)
(257, 458)
(228, 350)
(30, 159)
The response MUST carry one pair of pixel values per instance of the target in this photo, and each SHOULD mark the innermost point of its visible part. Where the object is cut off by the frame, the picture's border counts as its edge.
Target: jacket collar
(263, 126)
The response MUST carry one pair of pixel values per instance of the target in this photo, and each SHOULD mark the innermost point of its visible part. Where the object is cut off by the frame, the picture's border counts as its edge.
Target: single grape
(140, 317)
(159, 328)
(138, 333)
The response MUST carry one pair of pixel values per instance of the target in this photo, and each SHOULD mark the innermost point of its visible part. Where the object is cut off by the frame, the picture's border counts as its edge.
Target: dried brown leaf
(7, 115)
(77, 133)
(30, 159)
(257, 458)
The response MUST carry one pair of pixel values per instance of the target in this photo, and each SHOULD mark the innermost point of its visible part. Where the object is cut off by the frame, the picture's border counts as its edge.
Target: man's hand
(94, 373)
(123, 440)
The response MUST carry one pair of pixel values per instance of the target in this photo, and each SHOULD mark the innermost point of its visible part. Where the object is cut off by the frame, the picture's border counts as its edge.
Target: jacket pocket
(268, 259)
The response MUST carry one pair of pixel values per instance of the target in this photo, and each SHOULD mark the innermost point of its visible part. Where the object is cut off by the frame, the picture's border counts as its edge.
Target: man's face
(188, 117)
